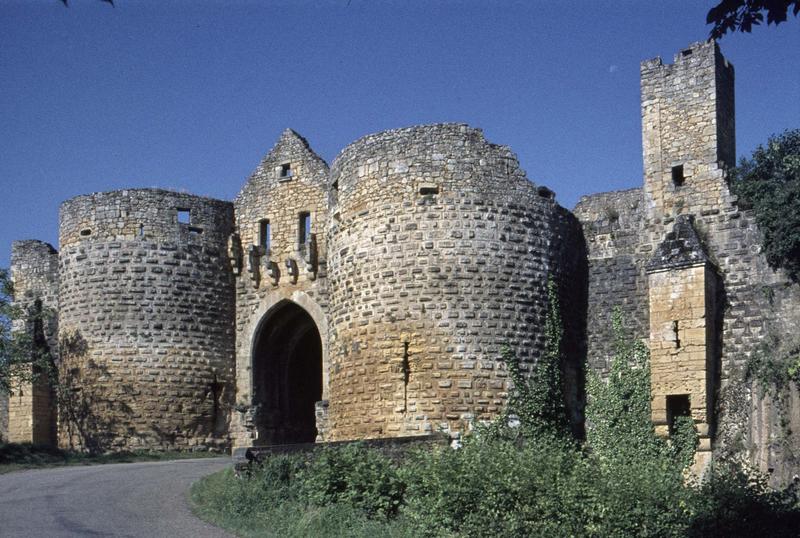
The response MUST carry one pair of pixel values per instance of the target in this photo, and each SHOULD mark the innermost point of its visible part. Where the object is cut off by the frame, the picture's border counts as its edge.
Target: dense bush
(498, 488)
(769, 182)
(353, 475)
(733, 501)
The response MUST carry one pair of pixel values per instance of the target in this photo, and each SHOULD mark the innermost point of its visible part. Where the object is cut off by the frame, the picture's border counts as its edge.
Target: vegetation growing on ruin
(537, 401)
(769, 182)
(522, 475)
(22, 360)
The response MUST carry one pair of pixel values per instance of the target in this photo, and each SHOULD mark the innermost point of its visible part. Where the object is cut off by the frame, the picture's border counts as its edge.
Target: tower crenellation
(687, 130)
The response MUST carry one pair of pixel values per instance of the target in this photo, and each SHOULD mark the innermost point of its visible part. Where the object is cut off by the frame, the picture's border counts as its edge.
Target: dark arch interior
(287, 373)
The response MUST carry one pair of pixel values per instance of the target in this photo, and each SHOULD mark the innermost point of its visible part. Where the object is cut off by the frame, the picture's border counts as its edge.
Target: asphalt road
(124, 499)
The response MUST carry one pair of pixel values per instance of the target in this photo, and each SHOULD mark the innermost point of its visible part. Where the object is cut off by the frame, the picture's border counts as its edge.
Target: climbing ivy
(536, 401)
(22, 357)
(618, 411)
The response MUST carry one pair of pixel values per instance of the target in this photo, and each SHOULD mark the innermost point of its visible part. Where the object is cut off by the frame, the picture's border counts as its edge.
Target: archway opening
(287, 376)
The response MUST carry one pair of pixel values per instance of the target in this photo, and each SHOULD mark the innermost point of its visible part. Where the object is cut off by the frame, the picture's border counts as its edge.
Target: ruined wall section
(290, 181)
(439, 253)
(30, 415)
(760, 310)
(613, 226)
(146, 321)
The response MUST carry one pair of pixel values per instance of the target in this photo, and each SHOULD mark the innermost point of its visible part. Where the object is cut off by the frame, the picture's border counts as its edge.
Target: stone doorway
(287, 376)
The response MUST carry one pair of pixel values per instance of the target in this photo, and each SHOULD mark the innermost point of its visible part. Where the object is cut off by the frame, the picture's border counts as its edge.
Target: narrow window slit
(303, 227)
(265, 235)
(676, 334)
(406, 376)
(678, 179)
(428, 188)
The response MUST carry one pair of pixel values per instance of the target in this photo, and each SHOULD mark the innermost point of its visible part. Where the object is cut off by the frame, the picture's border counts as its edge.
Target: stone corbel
(235, 253)
(270, 269)
(254, 254)
(292, 270)
(308, 253)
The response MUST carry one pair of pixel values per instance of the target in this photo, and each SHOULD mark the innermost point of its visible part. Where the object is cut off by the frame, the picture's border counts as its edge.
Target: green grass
(20, 456)
(240, 507)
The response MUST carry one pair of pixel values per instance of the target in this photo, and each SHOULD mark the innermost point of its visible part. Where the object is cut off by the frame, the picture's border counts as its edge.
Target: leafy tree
(23, 358)
(769, 182)
(742, 15)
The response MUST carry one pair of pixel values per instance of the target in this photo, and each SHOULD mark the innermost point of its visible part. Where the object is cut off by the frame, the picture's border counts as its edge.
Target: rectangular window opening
(304, 227)
(678, 178)
(687, 52)
(265, 235)
(286, 170)
(678, 405)
(428, 188)
(184, 216)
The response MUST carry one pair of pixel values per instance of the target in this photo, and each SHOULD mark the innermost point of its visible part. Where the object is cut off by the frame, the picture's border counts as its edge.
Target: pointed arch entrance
(287, 375)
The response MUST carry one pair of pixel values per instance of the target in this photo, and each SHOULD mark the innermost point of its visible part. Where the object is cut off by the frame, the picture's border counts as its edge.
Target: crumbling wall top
(152, 214)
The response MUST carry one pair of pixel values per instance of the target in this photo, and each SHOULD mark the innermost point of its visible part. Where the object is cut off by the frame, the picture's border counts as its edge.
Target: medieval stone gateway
(287, 376)
(371, 299)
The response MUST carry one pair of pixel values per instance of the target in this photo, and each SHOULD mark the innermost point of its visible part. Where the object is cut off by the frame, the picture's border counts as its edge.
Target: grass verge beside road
(21, 456)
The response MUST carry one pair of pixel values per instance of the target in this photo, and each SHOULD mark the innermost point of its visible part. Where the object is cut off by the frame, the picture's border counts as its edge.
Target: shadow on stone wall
(573, 287)
(86, 415)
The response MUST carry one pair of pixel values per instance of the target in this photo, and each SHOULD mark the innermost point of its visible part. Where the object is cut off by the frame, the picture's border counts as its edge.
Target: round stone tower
(146, 313)
(439, 254)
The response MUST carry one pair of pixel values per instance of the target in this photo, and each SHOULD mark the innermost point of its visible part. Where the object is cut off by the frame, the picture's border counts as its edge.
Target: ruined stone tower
(440, 250)
(31, 404)
(371, 299)
(145, 320)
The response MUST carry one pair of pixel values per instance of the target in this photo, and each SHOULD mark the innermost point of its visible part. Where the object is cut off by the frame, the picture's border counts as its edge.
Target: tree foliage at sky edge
(742, 15)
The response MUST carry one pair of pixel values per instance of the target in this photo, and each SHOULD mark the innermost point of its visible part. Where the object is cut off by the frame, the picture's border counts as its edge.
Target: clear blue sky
(189, 95)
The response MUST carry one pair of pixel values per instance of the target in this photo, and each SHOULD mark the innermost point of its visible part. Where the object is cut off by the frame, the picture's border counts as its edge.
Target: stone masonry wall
(264, 282)
(34, 273)
(439, 253)
(146, 321)
(613, 225)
